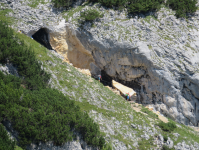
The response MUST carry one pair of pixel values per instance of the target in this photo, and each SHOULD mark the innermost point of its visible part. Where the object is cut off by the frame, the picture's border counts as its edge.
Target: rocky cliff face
(159, 58)
(156, 56)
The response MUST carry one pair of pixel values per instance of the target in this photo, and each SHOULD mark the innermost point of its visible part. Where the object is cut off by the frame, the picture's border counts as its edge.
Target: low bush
(90, 15)
(36, 111)
(62, 3)
(168, 127)
(144, 6)
(165, 138)
(5, 142)
(15, 51)
(182, 7)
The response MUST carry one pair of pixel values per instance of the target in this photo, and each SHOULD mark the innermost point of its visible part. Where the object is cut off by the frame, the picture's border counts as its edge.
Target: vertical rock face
(133, 65)
(67, 44)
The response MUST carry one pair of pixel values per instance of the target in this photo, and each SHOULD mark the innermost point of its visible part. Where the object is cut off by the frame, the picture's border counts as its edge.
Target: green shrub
(5, 142)
(165, 138)
(168, 127)
(114, 3)
(182, 7)
(62, 3)
(22, 58)
(144, 6)
(36, 111)
(108, 146)
(165, 147)
(90, 15)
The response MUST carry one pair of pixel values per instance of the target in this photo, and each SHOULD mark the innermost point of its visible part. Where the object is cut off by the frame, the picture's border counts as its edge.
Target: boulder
(124, 90)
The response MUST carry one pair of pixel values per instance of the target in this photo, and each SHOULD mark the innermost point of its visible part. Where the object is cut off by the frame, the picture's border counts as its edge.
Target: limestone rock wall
(67, 44)
(175, 96)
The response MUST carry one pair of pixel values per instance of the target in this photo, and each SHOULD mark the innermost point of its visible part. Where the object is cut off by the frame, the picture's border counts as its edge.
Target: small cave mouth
(107, 81)
(42, 37)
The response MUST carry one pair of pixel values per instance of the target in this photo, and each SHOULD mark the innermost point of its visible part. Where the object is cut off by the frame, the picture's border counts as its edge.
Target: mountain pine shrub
(62, 3)
(182, 7)
(90, 15)
(5, 141)
(168, 127)
(36, 111)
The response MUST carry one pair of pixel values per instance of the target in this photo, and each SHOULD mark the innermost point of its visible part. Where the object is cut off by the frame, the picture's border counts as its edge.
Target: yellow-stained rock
(114, 90)
(68, 45)
(149, 107)
(123, 89)
(85, 71)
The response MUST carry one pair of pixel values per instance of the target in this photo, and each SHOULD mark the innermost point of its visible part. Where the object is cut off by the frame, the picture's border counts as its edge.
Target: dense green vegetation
(90, 15)
(62, 3)
(144, 5)
(15, 52)
(164, 147)
(5, 142)
(36, 111)
(168, 127)
(182, 7)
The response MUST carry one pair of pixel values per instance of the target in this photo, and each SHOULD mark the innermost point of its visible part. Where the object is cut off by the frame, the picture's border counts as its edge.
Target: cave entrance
(131, 84)
(42, 37)
(106, 79)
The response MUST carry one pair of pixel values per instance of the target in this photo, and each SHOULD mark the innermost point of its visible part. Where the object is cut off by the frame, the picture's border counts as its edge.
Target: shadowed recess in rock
(41, 36)
(108, 79)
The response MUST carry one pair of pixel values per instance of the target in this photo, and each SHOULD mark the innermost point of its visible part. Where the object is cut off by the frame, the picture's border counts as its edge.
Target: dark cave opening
(42, 37)
(107, 81)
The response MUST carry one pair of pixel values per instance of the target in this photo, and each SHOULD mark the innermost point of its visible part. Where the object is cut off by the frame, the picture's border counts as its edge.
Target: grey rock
(176, 135)
(13, 134)
(169, 143)
(75, 86)
(182, 145)
(145, 136)
(9, 69)
(133, 125)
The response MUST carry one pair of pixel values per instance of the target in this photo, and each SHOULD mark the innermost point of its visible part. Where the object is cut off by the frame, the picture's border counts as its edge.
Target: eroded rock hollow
(42, 37)
(67, 44)
(133, 66)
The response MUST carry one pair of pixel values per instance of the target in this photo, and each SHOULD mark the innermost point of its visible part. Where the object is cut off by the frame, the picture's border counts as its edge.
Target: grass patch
(150, 47)
(150, 113)
(145, 144)
(5, 18)
(35, 3)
